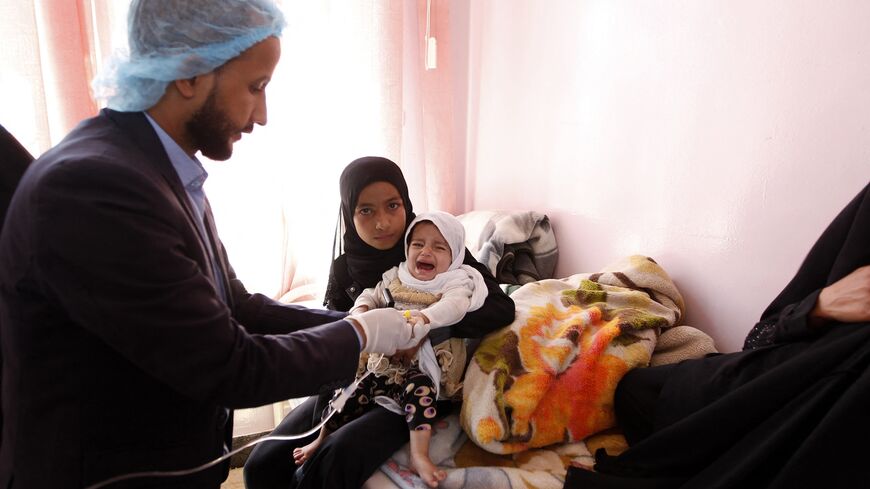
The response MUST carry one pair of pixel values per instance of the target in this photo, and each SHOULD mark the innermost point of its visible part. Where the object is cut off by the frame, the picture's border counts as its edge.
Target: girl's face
(428, 252)
(379, 215)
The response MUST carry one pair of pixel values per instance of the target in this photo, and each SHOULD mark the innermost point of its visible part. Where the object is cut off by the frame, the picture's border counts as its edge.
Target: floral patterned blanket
(470, 467)
(549, 377)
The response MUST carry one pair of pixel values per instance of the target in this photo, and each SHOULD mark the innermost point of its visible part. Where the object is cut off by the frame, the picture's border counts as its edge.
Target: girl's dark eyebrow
(389, 201)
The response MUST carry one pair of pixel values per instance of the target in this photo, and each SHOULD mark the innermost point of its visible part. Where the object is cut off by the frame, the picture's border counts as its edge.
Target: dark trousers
(346, 459)
(636, 398)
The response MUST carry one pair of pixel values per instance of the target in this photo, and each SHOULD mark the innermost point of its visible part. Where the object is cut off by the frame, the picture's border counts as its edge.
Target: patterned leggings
(416, 396)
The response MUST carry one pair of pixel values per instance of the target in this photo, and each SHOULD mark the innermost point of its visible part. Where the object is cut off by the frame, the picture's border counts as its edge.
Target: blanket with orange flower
(470, 467)
(549, 377)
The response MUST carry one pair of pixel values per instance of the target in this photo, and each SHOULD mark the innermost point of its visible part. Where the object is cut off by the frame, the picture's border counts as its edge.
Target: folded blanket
(681, 343)
(517, 247)
(549, 377)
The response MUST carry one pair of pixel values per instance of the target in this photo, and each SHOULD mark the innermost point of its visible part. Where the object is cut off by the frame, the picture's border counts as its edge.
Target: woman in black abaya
(782, 413)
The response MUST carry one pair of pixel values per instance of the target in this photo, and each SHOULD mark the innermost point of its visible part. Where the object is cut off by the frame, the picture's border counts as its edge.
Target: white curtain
(350, 83)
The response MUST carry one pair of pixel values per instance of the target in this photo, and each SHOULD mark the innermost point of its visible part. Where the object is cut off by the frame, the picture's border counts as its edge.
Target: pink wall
(717, 137)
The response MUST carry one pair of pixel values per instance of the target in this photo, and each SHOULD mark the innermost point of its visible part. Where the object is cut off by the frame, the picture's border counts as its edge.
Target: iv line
(336, 404)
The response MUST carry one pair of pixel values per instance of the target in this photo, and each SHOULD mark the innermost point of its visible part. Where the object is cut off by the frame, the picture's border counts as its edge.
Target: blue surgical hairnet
(177, 39)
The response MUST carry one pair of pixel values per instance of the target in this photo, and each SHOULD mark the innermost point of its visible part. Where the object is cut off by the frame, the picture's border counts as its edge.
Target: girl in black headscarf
(356, 264)
(351, 455)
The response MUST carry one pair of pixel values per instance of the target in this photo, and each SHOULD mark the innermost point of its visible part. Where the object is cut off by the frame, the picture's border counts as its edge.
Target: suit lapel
(219, 255)
(139, 130)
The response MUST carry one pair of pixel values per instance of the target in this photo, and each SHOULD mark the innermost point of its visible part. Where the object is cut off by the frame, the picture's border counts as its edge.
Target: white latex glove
(387, 330)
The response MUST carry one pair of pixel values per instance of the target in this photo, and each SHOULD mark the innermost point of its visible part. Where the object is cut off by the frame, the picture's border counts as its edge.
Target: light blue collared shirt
(192, 175)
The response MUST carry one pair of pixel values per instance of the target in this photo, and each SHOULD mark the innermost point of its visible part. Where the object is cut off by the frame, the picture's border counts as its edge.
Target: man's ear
(189, 87)
(186, 87)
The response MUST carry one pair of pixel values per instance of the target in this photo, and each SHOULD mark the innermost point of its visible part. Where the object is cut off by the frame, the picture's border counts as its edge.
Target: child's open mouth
(426, 267)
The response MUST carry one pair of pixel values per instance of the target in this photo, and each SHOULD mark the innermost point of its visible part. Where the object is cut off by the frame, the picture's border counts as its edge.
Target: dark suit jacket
(13, 161)
(118, 354)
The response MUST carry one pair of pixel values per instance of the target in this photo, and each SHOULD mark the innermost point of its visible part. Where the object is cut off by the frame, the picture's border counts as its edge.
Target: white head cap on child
(449, 227)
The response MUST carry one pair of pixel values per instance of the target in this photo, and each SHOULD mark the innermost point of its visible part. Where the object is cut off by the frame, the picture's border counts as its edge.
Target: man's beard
(210, 130)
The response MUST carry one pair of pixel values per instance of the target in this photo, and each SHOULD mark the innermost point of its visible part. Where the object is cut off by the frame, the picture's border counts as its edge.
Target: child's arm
(454, 303)
(369, 299)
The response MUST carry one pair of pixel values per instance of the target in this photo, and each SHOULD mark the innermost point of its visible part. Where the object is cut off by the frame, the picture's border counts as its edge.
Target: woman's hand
(846, 300)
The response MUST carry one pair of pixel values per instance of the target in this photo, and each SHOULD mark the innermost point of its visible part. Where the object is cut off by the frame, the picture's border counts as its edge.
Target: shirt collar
(189, 169)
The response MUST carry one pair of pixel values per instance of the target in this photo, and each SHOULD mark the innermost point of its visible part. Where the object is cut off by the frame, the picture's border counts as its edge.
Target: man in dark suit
(127, 339)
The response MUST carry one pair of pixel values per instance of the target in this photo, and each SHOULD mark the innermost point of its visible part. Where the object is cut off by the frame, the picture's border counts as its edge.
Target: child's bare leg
(420, 461)
(301, 454)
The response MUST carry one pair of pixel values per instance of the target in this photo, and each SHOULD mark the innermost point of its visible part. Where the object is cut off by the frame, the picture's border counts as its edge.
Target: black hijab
(356, 265)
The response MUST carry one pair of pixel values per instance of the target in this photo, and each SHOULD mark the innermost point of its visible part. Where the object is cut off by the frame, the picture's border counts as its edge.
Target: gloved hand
(387, 330)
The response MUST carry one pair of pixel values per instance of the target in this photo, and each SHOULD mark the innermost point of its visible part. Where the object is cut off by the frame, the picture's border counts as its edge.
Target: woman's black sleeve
(841, 249)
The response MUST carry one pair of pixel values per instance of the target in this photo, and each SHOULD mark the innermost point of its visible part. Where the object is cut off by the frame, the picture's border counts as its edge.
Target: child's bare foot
(420, 461)
(301, 454)
(427, 471)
